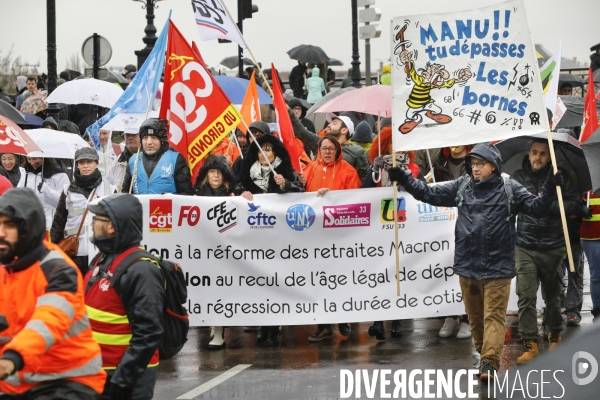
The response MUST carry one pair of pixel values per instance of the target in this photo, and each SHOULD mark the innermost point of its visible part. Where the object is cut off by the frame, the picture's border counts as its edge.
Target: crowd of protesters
(352, 151)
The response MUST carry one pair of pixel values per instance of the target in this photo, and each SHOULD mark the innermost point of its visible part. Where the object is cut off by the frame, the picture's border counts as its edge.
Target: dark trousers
(61, 389)
(535, 267)
(144, 387)
(574, 298)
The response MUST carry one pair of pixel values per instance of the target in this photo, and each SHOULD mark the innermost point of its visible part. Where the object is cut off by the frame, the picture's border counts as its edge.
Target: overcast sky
(277, 27)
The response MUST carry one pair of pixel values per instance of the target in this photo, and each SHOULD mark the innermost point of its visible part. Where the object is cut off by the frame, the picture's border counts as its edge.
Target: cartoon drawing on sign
(432, 76)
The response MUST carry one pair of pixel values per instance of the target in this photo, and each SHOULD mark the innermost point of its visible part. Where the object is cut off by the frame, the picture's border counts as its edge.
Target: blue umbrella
(235, 89)
(31, 120)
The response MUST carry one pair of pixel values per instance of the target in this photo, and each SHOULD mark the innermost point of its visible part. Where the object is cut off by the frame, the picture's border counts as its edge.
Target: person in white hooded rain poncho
(71, 217)
(47, 178)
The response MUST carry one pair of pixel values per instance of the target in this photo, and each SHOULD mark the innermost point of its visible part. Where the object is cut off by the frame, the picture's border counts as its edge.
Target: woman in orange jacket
(330, 171)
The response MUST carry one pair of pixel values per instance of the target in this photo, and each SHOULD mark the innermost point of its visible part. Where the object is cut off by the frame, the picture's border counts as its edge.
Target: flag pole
(257, 145)
(430, 165)
(395, 214)
(250, 51)
(234, 138)
(561, 205)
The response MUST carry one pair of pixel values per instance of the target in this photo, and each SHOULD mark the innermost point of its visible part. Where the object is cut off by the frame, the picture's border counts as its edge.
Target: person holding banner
(484, 257)
(330, 171)
(257, 177)
(157, 169)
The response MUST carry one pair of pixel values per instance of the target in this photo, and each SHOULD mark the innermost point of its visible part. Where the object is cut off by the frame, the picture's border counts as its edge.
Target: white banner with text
(299, 259)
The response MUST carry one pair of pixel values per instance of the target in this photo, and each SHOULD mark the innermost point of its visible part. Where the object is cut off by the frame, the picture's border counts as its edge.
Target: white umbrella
(55, 144)
(86, 91)
(128, 123)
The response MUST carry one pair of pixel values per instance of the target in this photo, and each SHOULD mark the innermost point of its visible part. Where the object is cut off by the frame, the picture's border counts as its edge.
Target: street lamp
(355, 56)
(52, 110)
(150, 31)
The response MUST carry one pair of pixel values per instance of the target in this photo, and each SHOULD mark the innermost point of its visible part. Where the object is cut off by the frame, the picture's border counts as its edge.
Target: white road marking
(205, 387)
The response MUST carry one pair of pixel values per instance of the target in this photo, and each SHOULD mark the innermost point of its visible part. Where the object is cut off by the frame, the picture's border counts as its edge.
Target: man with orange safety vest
(124, 299)
(46, 344)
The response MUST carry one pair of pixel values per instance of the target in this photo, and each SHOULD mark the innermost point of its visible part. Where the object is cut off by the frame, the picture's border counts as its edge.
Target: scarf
(260, 173)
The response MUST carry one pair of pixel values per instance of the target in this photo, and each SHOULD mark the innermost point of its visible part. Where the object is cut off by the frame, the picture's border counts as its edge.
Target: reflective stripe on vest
(162, 179)
(590, 227)
(108, 319)
(90, 368)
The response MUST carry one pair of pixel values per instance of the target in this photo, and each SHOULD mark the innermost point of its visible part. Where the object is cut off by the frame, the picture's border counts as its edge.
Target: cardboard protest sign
(465, 77)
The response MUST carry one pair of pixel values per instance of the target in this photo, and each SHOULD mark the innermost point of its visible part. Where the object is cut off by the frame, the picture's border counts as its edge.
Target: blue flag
(139, 95)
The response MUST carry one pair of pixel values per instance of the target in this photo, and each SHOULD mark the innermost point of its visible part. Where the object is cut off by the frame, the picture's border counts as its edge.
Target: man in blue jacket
(159, 169)
(484, 255)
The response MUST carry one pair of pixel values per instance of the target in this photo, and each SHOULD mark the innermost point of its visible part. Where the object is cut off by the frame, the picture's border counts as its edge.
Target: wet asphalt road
(297, 369)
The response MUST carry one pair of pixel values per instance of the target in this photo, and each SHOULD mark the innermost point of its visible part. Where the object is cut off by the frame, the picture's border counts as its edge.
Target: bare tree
(74, 62)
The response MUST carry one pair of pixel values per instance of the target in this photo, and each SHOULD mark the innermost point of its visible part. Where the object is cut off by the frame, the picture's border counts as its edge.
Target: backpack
(465, 180)
(176, 320)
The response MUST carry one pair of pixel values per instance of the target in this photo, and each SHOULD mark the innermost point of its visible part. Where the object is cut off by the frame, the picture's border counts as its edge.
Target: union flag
(199, 113)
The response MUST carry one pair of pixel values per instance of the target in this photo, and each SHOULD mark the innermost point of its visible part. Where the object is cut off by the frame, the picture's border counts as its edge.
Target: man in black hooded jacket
(135, 294)
(484, 255)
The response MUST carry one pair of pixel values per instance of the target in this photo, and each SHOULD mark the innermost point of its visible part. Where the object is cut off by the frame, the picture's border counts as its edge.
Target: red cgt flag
(285, 123)
(590, 115)
(200, 115)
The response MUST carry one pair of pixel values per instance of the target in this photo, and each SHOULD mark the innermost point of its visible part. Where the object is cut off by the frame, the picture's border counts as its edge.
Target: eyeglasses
(478, 165)
(327, 149)
(94, 219)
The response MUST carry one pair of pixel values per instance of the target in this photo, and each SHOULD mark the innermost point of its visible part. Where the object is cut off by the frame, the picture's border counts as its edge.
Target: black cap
(595, 47)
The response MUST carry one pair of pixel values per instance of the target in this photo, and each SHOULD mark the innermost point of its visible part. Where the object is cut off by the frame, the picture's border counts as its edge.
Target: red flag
(14, 140)
(590, 116)
(200, 115)
(286, 130)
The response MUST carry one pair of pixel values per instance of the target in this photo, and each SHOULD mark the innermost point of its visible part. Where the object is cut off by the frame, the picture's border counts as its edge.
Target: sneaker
(554, 340)
(322, 333)
(531, 351)
(486, 372)
(573, 320)
(396, 328)
(377, 330)
(449, 325)
(344, 329)
(212, 332)
(464, 332)
(218, 341)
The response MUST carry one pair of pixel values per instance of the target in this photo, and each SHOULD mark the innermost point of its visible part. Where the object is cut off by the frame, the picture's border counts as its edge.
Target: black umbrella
(10, 112)
(308, 53)
(573, 80)
(569, 156)
(574, 114)
(591, 149)
(334, 62)
(233, 62)
(573, 367)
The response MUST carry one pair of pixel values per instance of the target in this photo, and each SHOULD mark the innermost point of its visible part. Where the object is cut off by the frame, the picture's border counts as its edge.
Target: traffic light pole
(240, 51)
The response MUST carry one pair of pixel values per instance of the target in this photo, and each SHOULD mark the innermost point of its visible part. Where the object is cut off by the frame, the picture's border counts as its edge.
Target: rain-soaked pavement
(297, 369)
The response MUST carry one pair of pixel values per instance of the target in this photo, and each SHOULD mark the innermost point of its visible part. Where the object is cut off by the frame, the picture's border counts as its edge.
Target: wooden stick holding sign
(561, 205)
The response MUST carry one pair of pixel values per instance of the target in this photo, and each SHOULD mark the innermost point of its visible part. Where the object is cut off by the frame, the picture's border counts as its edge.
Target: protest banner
(464, 77)
(298, 259)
